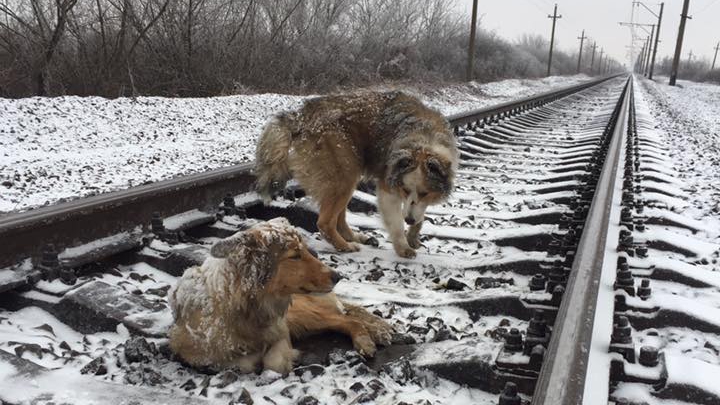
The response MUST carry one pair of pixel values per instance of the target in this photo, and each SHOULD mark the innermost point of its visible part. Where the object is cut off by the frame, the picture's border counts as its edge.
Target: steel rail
(499, 110)
(562, 376)
(72, 223)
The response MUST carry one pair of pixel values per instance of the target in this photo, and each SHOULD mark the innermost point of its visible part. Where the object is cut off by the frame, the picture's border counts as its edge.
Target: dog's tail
(271, 156)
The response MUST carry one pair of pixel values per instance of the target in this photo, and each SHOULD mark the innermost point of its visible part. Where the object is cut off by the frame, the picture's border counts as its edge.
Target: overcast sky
(600, 18)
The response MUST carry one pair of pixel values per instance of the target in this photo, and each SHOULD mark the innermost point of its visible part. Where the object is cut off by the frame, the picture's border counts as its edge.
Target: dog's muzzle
(410, 220)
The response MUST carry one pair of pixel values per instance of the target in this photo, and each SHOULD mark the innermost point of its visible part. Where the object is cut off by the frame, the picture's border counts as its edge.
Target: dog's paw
(414, 242)
(381, 333)
(406, 252)
(348, 247)
(371, 241)
(364, 345)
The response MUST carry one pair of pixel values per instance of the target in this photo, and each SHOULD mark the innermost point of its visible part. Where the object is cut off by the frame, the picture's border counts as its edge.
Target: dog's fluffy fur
(243, 305)
(332, 142)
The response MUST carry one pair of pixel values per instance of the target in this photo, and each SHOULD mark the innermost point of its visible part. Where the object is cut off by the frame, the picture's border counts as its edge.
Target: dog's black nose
(410, 220)
(335, 276)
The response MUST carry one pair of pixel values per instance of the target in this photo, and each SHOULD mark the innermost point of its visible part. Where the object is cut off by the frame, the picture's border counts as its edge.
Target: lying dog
(243, 305)
(332, 142)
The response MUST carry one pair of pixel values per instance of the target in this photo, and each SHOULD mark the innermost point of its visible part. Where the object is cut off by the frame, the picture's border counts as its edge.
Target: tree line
(118, 48)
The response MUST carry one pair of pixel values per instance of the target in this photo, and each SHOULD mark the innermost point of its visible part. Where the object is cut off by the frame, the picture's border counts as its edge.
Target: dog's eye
(406, 190)
(422, 194)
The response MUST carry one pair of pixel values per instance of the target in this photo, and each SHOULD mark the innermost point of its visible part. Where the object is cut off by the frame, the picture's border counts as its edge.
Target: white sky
(600, 18)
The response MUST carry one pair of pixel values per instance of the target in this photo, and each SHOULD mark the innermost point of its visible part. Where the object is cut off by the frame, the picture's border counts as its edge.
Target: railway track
(558, 273)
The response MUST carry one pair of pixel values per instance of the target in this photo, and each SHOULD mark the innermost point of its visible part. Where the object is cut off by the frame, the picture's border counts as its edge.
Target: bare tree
(209, 47)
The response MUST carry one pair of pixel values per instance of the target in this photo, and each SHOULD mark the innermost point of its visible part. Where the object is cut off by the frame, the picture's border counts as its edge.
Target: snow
(56, 149)
(679, 131)
(99, 243)
(598, 364)
(687, 120)
(703, 375)
(177, 222)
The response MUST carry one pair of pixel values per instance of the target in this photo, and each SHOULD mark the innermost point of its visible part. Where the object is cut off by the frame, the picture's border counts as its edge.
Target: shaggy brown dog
(233, 310)
(332, 142)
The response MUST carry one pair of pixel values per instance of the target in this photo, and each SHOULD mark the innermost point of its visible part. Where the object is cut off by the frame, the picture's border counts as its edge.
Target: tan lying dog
(332, 142)
(243, 305)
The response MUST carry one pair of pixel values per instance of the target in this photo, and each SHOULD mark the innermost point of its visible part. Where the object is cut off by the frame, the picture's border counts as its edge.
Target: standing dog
(243, 305)
(332, 142)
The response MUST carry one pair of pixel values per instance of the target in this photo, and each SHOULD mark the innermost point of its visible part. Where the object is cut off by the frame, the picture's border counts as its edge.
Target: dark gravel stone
(374, 275)
(376, 385)
(710, 346)
(138, 350)
(314, 369)
(226, 378)
(402, 339)
(243, 399)
(435, 323)
(497, 333)
(366, 397)
(204, 384)
(357, 387)
(400, 371)
(33, 348)
(308, 400)
(362, 369)
(95, 367)
(443, 334)
(372, 241)
(337, 356)
(340, 394)
(144, 376)
(189, 385)
(492, 282)
(420, 330)
(287, 392)
(455, 285)
(160, 292)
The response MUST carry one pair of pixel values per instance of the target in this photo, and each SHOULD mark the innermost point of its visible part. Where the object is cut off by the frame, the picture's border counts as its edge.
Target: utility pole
(715, 58)
(690, 55)
(554, 17)
(649, 52)
(678, 46)
(582, 39)
(657, 39)
(471, 47)
(641, 59)
(600, 62)
(592, 60)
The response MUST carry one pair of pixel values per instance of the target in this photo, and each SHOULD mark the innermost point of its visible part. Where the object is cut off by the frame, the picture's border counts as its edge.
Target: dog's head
(273, 258)
(422, 177)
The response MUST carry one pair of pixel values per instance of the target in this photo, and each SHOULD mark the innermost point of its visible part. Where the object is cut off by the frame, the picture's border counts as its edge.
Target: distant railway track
(540, 248)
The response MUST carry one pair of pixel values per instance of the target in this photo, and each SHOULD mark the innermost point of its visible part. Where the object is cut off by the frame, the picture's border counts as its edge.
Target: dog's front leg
(413, 235)
(280, 357)
(391, 211)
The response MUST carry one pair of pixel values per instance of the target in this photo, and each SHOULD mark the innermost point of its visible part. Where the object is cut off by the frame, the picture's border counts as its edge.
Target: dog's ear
(401, 162)
(438, 175)
(254, 254)
(222, 249)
